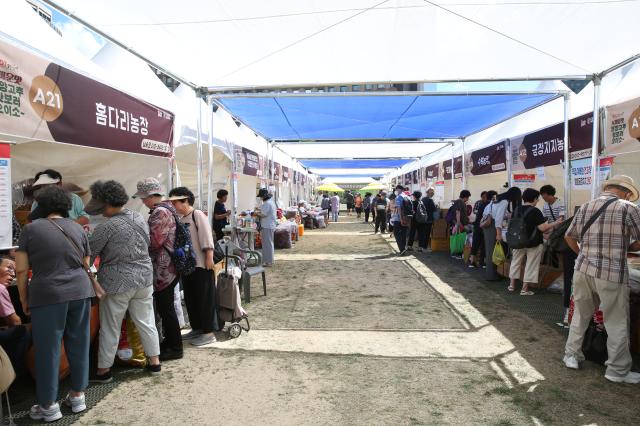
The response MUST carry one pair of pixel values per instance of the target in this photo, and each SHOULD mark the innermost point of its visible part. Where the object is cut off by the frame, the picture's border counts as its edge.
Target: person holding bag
(58, 298)
(199, 287)
(495, 214)
(126, 273)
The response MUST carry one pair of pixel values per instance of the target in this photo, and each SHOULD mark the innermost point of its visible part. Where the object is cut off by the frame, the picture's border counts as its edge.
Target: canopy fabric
(319, 150)
(377, 117)
(329, 187)
(296, 42)
(355, 164)
(374, 187)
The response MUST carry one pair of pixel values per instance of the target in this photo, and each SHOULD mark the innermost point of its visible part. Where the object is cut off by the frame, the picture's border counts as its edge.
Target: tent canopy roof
(377, 116)
(257, 43)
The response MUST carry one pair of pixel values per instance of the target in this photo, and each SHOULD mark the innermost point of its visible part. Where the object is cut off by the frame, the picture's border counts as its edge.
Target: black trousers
(418, 231)
(219, 233)
(200, 299)
(477, 244)
(373, 213)
(15, 341)
(569, 260)
(400, 233)
(167, 311)
(381, 221)
(366, 215)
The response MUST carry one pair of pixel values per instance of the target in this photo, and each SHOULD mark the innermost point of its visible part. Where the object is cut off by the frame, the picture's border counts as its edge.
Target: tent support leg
(199, 192)
(453, 171)
(595, 147)
(567, 160)
(210, 163)
(509, 163)
(464, 163)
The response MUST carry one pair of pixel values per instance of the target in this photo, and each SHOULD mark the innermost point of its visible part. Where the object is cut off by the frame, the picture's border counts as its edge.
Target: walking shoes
(571, 361)
(631, 377)
(51, 414)
(191, 335)
(76, 403)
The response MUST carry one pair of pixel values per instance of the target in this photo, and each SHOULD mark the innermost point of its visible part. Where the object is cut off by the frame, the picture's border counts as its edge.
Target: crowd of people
(139, 265)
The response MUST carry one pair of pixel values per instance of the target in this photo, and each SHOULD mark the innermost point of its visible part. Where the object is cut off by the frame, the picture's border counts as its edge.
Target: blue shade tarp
(377, 163)
(377, 117)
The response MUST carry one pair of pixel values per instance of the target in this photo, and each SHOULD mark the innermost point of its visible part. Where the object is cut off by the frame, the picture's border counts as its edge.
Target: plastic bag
(498, 257)
(456, 242)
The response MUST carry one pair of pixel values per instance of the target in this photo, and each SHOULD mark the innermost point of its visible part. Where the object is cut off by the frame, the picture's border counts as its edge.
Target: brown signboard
(44, 101)
(457, 168)
(488, 160)
(247, 161)
(432, 172)
(285, 174)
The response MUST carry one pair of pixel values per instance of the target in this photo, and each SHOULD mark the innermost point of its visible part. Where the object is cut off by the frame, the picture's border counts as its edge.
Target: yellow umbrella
(374, 186)
(329, 187)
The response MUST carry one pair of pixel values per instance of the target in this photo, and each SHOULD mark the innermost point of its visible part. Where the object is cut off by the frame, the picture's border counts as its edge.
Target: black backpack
(183, 256)
(421, 213)
(556, 239)
(517, 235)
(407, 207)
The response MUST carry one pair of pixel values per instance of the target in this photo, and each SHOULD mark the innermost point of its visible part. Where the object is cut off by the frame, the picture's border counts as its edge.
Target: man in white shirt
(554, 207)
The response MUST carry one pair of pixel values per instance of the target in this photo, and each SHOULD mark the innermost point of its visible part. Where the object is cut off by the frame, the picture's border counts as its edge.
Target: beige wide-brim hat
(625, 182)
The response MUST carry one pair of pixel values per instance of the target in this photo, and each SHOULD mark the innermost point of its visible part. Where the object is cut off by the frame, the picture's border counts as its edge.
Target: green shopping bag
(498, 256)
(456, 242)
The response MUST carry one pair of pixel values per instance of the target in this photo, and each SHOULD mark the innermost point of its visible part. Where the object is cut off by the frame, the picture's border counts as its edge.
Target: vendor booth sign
(285, 174)
(247, 161)
(407, 178)
(457, 168)
(524, 181)
(432, 172)
(623, 127)
(415, 176)
(488, 160)
(41, 100)
(581, 172)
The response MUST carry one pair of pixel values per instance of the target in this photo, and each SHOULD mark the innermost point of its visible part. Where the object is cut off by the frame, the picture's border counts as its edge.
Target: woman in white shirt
(500, 210)
(268, 222)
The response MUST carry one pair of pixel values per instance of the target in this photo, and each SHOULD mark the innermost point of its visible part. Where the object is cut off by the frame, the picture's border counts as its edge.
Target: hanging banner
(277, 172)
(6, 207)
(285, 174)
(262, 167)
(488, 160)
(414, 176)
(247, 161)
(41, 100)
(524, 181)
(580, 136)
(407, 178)
(623, 127)
(432, 172)
(446, 165)
(581, 172)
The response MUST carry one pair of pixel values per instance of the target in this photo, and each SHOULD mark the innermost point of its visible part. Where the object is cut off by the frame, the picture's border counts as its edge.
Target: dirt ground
(241, 382)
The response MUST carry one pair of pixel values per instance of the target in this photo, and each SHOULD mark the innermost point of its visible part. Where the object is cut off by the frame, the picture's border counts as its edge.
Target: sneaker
(527, 293)
(51, 414)
(204, 339)
(155, 370)
(571, 361)
(565, 320)
(170, 354)
(102, 378)
(420, 250)
(77, 403)
(403, 252)
(191, 335)
(631, 377)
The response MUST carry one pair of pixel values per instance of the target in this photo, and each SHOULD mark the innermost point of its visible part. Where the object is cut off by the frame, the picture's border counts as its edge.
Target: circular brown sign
(522, 153)
(45, 98)
(634, 124)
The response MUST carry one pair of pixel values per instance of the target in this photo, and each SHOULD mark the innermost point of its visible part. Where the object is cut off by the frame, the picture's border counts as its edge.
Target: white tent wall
(87, 166)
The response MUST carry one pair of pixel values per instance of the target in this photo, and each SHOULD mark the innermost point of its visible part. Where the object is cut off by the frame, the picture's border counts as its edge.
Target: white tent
(295, 42)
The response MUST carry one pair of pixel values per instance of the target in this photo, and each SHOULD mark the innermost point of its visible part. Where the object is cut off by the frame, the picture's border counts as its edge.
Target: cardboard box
(440, 244)
(546, 276)
(440, 230)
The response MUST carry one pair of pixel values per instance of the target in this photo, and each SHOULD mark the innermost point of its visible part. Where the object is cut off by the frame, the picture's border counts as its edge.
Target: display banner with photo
(432, 172)
(277, 171)
(623, 127)
(414, 176)
(262, 167)
(446, 165)
(41, 100)
(581, 172)
(285, 174)
(247, 161)
(408, 178)
(488, 160)
(6, 206)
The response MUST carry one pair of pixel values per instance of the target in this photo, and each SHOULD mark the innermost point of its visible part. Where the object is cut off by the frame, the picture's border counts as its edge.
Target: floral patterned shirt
(162, 232)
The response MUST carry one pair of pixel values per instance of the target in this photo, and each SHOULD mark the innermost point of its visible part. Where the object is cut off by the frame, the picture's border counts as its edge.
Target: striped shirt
(552, 212)
(603, 251)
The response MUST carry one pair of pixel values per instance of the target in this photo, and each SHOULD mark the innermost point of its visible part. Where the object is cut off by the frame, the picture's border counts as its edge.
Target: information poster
(439, 193)
(581, 172)
(6, 209)
(524, 181)
(623, 127)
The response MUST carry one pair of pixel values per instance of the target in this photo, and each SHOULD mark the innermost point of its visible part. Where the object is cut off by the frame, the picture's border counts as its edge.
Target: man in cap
(162, 234)
(601, 277)
(53, 177)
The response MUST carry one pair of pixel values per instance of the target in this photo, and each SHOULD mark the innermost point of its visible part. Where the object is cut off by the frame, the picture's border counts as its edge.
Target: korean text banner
(247, 161)
(285, 174)
(407, 178)
(277, 171)
(41, 100)
(432, 172)
(457, 169)
(623, 127)
(415, 176)
(488, 160)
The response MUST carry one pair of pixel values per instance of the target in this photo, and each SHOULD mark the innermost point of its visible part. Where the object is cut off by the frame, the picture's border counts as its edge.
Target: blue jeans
(334, 214)
(50, 324)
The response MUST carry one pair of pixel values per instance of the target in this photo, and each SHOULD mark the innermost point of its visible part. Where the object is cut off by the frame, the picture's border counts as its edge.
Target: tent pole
(199, 156)
(210, 164)
(595, 161)
(453, 171)
(567, 160)
(464, 173)
(509, 163)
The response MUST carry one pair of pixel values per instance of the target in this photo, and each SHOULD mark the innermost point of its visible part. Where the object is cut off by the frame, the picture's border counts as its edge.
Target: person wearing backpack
(199, 287)
(477, 245)
(493, 219)
(529, 224)
(162, 231)
(419, 223)
(602, 233)
(400, 219)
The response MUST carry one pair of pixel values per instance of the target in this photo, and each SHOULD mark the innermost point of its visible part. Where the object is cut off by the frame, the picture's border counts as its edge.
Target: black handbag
(594, 345)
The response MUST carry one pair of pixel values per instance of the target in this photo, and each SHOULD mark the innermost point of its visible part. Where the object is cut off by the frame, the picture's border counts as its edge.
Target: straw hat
(625, 182)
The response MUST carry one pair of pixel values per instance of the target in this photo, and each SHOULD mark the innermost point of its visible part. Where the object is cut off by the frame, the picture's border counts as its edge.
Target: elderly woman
(125, 273)
(58, 299)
